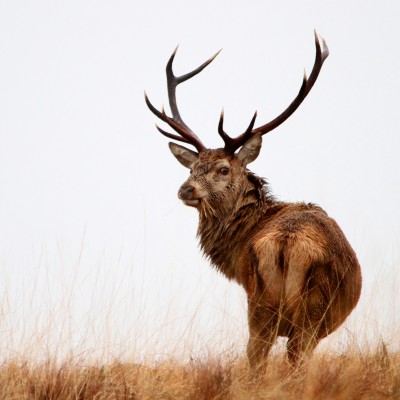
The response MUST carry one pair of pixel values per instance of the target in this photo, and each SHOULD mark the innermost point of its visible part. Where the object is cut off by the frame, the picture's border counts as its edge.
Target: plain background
(97, 254)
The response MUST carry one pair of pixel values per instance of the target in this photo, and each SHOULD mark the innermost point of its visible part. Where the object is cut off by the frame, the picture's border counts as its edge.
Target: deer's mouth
(192, 202)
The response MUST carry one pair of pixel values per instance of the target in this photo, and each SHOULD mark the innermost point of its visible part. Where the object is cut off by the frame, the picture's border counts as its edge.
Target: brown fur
(301, 276)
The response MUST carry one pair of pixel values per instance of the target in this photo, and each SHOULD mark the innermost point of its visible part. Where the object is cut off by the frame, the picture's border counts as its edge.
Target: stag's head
(218, 177)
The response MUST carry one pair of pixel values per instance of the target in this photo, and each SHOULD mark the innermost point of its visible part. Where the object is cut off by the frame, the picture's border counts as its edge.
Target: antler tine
(171, 135)
(186, 137)
(307, 84)
(152, 108)
(232, 144)
(173, 81)
(176, 122)
(320, 56)
(221, 131)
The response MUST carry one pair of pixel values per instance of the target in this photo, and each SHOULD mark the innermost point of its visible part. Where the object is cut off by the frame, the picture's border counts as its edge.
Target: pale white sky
(96, 251)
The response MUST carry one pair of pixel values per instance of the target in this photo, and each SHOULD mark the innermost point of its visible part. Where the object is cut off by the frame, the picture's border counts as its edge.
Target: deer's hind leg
(262, 335)
(309, 322)
(301, 344)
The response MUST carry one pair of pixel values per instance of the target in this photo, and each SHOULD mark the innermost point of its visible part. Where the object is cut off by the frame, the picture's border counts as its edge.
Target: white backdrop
(97, 254)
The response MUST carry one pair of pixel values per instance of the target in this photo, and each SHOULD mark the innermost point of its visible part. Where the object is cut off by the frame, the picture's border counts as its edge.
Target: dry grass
(358, 375)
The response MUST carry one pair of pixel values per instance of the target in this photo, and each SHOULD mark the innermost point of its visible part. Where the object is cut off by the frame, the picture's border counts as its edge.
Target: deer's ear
(185, 156)
(250, 150)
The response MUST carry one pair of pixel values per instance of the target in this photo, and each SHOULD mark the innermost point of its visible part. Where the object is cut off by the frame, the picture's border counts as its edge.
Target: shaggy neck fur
(223, 234)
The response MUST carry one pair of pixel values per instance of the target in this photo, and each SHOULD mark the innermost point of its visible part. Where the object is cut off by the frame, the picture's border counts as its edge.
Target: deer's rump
(308, 270)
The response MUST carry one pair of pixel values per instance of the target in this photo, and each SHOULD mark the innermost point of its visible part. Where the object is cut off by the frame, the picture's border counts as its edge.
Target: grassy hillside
(355, 375)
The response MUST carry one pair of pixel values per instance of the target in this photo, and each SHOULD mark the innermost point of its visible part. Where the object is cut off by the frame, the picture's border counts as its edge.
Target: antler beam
(232, 144)
(176, 122)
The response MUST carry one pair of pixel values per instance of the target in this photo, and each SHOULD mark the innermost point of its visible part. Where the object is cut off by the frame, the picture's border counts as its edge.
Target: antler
(185, 133)
(232, 144)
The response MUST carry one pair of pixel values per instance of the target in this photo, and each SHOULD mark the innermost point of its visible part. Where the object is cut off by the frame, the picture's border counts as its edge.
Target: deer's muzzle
(186, 194)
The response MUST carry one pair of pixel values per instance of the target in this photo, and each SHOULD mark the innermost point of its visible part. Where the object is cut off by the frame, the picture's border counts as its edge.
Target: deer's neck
(224, 238)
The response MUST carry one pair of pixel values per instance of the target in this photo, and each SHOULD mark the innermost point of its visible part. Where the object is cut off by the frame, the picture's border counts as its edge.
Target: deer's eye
(224, 171)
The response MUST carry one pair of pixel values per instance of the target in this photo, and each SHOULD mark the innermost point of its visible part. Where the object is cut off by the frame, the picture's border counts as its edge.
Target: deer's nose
(185, 192)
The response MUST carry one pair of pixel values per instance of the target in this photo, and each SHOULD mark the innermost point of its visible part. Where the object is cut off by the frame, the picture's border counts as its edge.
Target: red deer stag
(301, 276)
